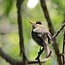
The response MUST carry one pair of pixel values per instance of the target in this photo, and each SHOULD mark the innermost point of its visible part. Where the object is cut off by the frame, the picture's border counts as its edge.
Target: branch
(39, 53)
(7, 57)
(51, 29)
(36, 61)
(46, 14)
(18, 62)
(20, 28)
(38, 56)
(57, 33)
(63, 51)
(63, 48)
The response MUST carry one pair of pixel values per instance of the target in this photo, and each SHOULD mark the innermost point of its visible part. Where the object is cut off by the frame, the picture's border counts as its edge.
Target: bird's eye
(38, 22)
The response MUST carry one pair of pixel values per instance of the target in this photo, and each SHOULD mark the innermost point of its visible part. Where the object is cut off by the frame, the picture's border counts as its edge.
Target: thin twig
(39, 53)
(57, 33)
(39, 61)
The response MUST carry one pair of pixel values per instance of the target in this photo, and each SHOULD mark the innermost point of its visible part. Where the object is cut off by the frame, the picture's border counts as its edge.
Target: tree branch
(39, 53)
(20, 28)
(18, 62)
(46, 14)
(57, 33)
(63, 51)
(63, 48)
(51, 29)
(7, 57)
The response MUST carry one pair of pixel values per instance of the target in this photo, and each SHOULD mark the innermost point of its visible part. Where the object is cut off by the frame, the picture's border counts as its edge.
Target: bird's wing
(41, 30)
(37, 30)
(46, 45)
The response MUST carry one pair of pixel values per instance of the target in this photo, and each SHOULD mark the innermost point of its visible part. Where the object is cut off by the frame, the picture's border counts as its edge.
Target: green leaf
(8, 6)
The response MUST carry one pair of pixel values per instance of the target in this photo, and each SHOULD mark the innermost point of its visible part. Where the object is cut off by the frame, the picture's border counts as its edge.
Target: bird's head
(36, 24)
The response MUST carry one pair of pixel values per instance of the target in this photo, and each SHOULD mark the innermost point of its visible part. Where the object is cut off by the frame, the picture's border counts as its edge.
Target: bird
(41, 35)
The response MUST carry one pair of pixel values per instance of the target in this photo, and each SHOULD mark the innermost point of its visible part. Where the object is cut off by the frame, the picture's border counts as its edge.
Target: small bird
(42, 36)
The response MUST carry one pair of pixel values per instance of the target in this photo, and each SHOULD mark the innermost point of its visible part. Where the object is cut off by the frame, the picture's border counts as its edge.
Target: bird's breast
(37, 38)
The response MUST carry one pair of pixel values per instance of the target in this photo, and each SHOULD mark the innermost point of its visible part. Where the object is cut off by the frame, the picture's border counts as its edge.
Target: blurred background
(31, 11)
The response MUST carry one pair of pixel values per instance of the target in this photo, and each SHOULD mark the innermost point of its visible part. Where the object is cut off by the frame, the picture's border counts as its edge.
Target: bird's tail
(47, 49)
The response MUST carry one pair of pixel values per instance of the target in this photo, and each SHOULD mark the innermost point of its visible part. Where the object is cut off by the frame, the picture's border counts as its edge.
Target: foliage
(11, 40)
(60, 5)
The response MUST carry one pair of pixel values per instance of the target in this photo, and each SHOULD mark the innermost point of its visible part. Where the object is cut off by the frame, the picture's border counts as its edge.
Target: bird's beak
(31, 22)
